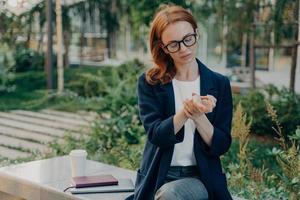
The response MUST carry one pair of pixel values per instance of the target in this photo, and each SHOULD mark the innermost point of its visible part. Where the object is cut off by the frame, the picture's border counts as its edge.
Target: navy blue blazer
(157, 109)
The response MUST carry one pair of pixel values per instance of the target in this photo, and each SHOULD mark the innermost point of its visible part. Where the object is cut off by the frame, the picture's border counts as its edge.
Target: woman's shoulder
(142, 81)
(142, 77)
(213, 74)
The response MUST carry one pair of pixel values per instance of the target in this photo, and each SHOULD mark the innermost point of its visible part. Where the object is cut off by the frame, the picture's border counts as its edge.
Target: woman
(186, 133)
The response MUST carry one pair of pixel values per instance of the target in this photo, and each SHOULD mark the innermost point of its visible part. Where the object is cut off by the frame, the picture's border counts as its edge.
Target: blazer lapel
(206, 85)
(167, 94)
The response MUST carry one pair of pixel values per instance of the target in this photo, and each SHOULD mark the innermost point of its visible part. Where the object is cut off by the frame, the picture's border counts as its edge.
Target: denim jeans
(182, 183)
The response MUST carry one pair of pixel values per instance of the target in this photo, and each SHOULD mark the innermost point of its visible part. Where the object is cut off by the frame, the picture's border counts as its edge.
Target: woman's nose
(182, 47)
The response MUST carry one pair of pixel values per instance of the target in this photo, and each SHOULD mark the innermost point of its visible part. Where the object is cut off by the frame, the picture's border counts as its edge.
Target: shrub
(285, 102)
(6, 81)
(117, 137)
(288, 156)
(262, 181)
(29, 81)
(6, 74)
(28, 60)
(102, 81)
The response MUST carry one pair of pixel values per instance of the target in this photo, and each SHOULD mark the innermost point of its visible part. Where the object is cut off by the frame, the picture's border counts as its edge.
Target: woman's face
(185, 52)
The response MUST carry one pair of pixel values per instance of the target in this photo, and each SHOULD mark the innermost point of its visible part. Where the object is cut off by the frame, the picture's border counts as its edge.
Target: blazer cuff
(165, 136)
(219, 145)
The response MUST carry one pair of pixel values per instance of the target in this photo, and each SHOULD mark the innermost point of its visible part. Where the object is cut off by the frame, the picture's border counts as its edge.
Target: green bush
(102, 81)
(28, 60)
(6, 74)
(28, 81)
(257, 170)
(118, 136)
(6, 81)
(286, 103)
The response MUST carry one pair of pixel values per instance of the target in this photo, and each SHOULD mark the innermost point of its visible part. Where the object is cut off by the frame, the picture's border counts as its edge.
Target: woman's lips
(185, 56)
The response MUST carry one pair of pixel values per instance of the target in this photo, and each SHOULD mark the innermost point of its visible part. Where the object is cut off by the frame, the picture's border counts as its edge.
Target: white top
(184, 151)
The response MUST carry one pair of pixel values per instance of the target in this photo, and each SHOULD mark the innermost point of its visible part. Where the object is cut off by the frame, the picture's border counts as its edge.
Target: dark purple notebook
(96, 180)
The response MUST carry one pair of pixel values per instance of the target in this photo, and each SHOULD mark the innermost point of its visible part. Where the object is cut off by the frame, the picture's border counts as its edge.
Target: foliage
(288, 157)
(102, 81)
(285, 102)
(6, 80)
(9, 25)
(254, 169)
(261, 181)
(117, 136)
(241, 131)
(29, 81)
(28, 60)
(285, 17)
(6, 74)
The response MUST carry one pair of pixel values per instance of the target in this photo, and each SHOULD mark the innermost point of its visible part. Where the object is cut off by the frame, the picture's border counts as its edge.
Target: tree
(286, 14)
(59, 47)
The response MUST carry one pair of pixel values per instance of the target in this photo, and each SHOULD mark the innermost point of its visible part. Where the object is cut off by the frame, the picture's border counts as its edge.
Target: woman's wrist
(179, 120)
(182, 116)
(199, 119)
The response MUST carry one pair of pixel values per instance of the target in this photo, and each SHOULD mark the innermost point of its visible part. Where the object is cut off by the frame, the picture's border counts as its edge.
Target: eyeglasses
(188, 41)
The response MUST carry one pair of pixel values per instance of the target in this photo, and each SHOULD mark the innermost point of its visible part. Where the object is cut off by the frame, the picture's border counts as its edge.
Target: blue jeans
(182, 183)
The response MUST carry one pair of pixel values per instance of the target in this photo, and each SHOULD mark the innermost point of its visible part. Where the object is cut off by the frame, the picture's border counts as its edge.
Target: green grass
(31, 93)
(20, 99)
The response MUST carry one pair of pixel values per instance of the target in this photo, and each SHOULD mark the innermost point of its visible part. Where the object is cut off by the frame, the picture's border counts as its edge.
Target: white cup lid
(78, 152)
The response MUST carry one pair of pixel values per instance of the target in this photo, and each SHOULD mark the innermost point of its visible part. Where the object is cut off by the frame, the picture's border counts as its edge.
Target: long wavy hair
(163, 69)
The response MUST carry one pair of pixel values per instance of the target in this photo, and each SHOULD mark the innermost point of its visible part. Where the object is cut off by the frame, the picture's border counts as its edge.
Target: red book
(97, 180)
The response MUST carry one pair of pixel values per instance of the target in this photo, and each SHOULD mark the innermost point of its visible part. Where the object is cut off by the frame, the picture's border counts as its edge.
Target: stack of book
(101, 184)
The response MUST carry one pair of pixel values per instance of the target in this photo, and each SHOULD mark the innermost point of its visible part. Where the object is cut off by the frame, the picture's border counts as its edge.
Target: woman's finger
(187, 106)
(187, 113)
(191, 106)
(212, 98)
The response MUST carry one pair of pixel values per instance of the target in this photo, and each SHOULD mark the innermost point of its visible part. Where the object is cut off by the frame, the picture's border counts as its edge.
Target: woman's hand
(198, 105)
(192, 109)
(209, 102)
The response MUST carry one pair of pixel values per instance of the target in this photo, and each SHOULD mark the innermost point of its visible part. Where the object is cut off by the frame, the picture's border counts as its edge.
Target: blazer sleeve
(160, 130)
(221, 139)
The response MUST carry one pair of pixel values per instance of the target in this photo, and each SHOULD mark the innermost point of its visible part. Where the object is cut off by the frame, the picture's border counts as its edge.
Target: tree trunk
(252, 57)
(40, 43)
(49, 61)
(67, 42)
(271, 62)
(244, 49)
(59, 48)
(111, 31)
(293, 69)
(29, 33)
(295, 52)
(224, 42)
(81, 43)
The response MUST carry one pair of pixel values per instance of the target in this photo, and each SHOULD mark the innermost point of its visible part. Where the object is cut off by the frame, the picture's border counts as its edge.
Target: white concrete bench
(46, 180)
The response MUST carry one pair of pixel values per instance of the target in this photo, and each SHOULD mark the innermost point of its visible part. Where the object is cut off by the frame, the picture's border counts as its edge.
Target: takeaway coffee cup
(78, 162)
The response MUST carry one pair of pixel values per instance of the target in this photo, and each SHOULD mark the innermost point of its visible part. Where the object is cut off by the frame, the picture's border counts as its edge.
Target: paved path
(277, 77)
(23, 133)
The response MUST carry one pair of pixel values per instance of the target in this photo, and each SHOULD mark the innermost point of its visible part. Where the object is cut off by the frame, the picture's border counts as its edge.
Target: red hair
(163, 69)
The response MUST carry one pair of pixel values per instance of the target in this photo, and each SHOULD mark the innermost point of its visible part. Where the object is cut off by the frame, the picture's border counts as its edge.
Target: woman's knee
(166, 192)
(185, 189)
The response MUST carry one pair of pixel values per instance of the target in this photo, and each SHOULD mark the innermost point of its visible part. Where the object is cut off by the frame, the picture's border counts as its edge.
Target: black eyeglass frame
(181, 41)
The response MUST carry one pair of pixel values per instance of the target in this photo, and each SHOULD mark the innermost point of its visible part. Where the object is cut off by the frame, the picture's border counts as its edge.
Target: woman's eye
(173, 45)
(188, 38)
